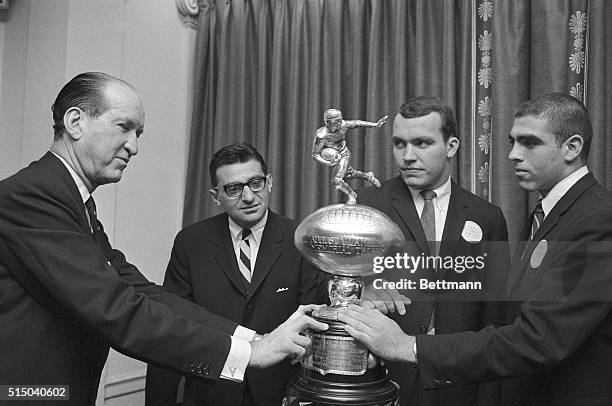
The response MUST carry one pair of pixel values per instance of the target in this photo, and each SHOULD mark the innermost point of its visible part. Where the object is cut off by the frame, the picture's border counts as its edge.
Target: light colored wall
(43, 44)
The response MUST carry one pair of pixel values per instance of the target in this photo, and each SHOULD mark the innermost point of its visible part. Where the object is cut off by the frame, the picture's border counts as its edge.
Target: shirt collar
(84, 192)
(561, 188)
(441, 192)
(256, 230)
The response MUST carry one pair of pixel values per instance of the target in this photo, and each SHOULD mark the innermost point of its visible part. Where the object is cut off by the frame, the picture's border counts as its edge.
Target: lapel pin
(537, 256)
(472, 232)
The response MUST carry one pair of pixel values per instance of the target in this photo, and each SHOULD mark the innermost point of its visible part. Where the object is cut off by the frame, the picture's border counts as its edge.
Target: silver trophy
(342, 240)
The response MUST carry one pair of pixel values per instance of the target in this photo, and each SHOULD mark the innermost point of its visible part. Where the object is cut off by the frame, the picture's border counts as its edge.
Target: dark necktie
(245, 255)
(538, 218)
(428, 220)
(90, 205)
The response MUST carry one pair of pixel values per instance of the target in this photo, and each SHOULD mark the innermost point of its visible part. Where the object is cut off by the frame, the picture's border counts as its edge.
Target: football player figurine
(329, 148)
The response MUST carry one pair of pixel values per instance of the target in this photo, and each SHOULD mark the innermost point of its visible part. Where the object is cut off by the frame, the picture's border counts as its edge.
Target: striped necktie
(245, 255)
(538, 218)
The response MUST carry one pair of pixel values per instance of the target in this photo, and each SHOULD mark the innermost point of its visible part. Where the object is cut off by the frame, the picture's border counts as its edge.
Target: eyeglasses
(236, 189)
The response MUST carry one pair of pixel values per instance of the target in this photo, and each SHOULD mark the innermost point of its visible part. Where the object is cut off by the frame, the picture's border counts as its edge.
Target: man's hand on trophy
(386, 300)
(286, 340)
(380, 334)
(382, 121)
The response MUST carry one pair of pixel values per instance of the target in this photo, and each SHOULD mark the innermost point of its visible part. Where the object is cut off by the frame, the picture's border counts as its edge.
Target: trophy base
(372, 389)
(336, 372)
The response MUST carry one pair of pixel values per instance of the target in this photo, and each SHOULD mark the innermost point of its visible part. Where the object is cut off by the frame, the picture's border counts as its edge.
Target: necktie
(538, 218)
(90, 205)
(245, 255)
(428, 220)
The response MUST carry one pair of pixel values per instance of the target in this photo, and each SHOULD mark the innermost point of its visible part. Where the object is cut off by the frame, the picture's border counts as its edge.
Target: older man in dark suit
(440, 219)
(558, 341)
(243, 265)
(66, 295)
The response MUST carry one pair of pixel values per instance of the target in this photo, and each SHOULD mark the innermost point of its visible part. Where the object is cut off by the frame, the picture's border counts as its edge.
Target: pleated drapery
(266, 70)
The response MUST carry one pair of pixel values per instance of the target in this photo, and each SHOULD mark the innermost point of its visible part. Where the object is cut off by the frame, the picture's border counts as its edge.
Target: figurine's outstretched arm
(361, 123)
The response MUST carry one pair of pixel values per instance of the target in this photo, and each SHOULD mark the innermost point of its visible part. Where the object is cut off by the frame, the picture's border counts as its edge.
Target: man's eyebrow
(525, 138)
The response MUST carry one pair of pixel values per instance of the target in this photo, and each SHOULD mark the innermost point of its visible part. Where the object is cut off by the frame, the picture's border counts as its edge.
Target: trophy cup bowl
(343, 240)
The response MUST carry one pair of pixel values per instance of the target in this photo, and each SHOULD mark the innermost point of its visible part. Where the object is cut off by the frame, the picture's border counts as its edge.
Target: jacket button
(448, 382)
(437, 382)
(423, 330)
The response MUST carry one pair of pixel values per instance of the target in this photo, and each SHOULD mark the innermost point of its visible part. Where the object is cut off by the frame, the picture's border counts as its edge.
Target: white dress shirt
(254, 238)
(440, 203)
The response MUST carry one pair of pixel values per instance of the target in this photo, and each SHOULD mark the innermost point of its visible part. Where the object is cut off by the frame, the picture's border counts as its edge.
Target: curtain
(266, 70)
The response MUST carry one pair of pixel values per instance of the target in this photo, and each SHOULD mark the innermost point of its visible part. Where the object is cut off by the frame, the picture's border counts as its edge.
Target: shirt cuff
(237, 360)
(244, 333)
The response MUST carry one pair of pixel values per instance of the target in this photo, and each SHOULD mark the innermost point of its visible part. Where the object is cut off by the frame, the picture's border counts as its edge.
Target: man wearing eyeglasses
(242, 265)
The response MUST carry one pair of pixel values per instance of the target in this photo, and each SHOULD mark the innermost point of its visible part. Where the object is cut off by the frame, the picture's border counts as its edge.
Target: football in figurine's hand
(328, 154)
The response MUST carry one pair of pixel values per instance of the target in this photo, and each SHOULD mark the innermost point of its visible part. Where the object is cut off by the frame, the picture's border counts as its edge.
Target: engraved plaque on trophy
(342, 240)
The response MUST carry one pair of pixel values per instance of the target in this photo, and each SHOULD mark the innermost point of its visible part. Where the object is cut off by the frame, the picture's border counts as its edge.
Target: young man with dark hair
(560, 284)
(441, 220)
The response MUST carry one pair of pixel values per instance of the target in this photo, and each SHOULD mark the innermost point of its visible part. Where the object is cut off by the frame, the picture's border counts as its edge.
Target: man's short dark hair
(85, 91)
(233, 154)
(423, 105)
(565, 116)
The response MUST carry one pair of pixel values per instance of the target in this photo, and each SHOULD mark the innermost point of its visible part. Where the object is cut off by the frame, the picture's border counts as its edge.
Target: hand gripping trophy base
(343, 240)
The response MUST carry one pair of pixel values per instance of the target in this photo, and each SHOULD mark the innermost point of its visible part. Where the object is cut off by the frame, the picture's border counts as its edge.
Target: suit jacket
(65, 299)
(454, 310)
(203, 269)
(559, 342)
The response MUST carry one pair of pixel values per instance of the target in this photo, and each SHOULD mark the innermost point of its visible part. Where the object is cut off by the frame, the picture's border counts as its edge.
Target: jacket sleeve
(179, 305)
(556, 319)
(43, 244)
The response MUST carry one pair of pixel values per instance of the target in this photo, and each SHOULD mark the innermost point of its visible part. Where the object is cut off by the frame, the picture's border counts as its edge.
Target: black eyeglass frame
(242, 185)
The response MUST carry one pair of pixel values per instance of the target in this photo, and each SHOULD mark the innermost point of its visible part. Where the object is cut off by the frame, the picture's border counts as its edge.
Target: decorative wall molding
(189, 10)
(126, 384)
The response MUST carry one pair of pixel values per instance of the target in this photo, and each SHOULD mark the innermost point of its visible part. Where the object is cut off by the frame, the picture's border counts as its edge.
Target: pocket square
(281, 289)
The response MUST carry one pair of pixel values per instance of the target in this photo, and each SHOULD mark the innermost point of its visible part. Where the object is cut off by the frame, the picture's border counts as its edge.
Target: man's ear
(574, 145)
(74, 122)
(452, 146)
(214, 195)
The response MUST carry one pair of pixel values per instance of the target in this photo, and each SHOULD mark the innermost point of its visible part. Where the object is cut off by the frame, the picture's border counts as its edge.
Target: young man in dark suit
(558, 340)
(242, 265)
(66, 295)
(459, 225)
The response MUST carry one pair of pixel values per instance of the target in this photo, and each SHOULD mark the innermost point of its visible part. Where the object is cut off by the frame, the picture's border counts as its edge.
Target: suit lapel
(404, 206)
(226, 257)
(269, 251)
(517, 265)
(51, 162)
(455, 220)
(525, 248)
